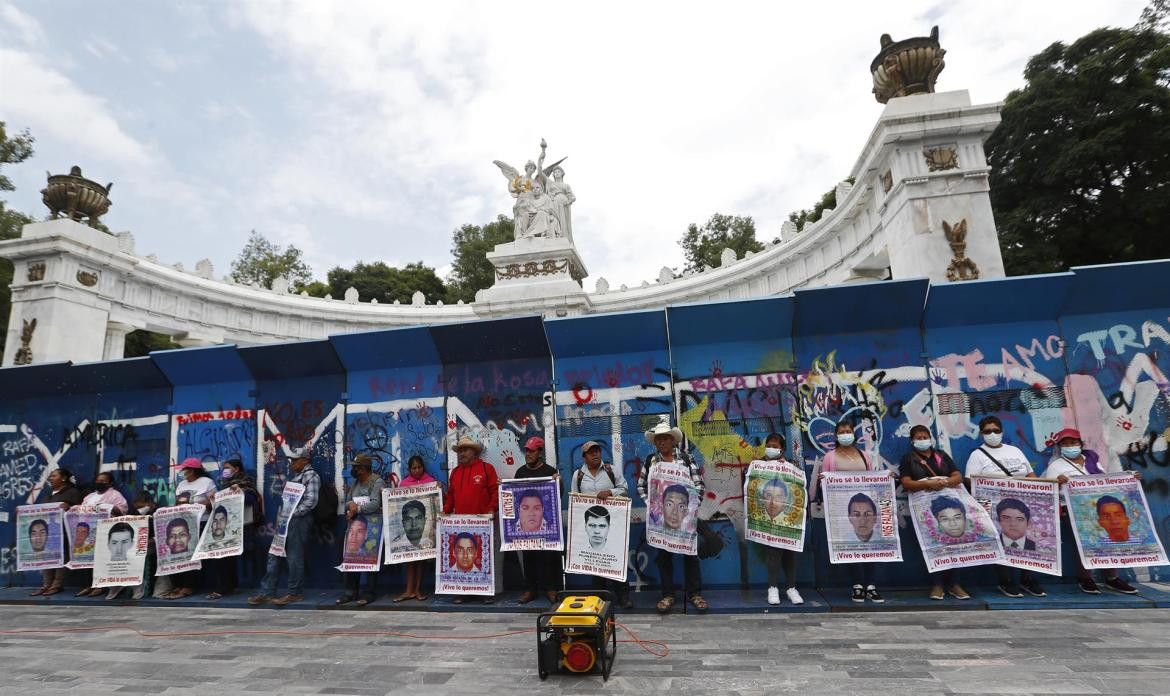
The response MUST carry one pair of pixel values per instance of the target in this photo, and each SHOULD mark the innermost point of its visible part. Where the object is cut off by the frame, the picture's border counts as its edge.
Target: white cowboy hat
(663, 428)
(466, 441)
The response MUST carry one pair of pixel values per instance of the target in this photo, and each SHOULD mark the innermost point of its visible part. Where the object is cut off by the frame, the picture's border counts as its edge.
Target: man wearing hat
(666, 441)
(601, 480)
(472, 489)
(542, 569)
(297, 537)
(363, 500)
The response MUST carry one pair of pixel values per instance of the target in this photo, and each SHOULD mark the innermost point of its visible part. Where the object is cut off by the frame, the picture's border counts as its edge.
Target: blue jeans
(294, 547)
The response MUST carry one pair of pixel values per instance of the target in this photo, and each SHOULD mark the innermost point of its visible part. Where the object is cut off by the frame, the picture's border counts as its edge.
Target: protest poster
(1026, 514)
(224, 534)
(774, 497)
(119, 556)
(409, 516)
(176, 531)
(290, 497)
(954, 530)
(464, 563)
(672, 522)
(599, 536)
(362, 550)
(81, 529)
(1111, 521)
(861, 517)
(530, 515)
(39, 541)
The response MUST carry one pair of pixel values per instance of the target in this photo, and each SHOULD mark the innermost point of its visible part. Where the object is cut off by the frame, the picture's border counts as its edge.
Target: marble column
(115, 345)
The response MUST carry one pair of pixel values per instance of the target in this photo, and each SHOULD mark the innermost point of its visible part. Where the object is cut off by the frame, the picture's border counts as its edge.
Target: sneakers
(1033, 588)
(958, 592)
(873, 595)
(858, 594)
(1010, 590)
(794, 596)
(1088, 586)
(288, 599)
(1119, 585)
(773, 595)
(937, 592)
(259, 599)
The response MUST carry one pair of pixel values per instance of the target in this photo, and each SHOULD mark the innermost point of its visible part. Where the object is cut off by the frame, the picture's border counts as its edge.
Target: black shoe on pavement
(858, 594)
(873, 595)
(1010, 590)
(1088, 586)
(1033, 588)
(1119, 585)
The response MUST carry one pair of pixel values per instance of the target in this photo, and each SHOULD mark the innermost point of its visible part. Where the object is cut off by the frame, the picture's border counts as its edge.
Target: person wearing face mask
(846, 456)
(995, 459)
(223, 573)
(61, 490)
(778, 559)
(1070, 460)
(925, 468)
(363, 507)
(103, 493)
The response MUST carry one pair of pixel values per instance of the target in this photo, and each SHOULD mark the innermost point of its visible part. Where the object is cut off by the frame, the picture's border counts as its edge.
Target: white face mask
(993, 439)
(773, 453)
(845, 439)
(143, 511)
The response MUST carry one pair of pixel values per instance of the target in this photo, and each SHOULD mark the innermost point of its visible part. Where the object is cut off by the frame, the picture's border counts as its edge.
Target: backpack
(608, 470)
(710, 540)
(325, 511)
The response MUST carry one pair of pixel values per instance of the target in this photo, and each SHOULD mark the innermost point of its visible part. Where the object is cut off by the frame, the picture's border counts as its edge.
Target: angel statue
(534, 206)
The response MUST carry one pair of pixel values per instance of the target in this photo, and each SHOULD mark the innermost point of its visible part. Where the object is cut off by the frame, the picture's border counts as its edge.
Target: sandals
(363, 601)
(83, 592)
(51, 591)
(420, 596)
(38, 592)
(699, 603)
(344, 599)
(402, 598)
(213, 596)
(664, 605)
(179, 593)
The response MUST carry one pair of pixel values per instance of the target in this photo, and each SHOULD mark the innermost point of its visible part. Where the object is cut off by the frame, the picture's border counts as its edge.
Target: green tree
(262, 261)
(1080, 163)
(827, 202)
(13, 150)
(703, 246)
(140, 343)
(470, 269)
(385, 283)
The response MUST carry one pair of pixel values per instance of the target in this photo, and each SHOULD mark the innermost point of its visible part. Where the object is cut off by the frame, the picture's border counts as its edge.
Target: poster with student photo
(81, 529)
(464, 564)
(176, 532)
(409, 516)
(1111, 521)
(1026, 513)
(861, 517)
(673, 509)
(599, 536)
(290, 497)
(361, 550)
(119, 557)
(774, 501)
(223, 535)
(39, 541)
(530, 515)
(954, 530)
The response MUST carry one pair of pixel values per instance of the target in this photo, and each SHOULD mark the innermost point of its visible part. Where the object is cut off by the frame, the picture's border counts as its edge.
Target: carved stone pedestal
(535, 274)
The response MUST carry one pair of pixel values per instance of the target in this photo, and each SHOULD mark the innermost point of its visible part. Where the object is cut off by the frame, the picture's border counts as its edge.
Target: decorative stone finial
(373, 300)
(125, 242)
(909, 66)
(280, 285)
(787, 230)
(418, 299)
(204, 269)
(727, 257)
(351, 295)
(843, 190)
(178, 266)
(665, 275)
(602, 285)
(76, 197)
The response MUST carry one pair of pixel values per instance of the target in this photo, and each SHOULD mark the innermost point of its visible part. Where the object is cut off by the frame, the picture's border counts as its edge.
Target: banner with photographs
(530, 515)
(39, 541)
(672, 522)
(362, 550)
(290, 497)
(176, 531)
(954, 530)
(119, 557)
(1026, 513)
(224, 534)
(861, 517)
(1111, 521)
(599, 536)
(409, 516)
(774, 496)
(81, 529)
(464, 564)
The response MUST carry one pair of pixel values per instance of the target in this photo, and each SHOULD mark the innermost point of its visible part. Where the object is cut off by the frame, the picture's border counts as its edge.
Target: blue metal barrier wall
(1087, 349)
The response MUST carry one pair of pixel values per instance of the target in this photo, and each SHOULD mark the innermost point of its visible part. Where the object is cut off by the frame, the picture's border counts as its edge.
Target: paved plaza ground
(1085, 651)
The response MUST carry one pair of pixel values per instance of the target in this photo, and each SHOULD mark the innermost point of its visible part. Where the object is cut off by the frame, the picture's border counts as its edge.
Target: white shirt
(1062, 467)
(200, 491)
(592, 485)
(979, 464)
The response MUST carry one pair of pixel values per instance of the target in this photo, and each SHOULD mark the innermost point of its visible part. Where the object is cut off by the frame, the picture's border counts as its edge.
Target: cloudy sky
(366, 131)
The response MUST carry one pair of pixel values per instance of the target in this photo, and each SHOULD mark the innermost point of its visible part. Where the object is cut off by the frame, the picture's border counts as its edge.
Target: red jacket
(472, 489)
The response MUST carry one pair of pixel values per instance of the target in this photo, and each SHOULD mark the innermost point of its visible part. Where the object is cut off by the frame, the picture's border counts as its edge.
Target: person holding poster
(39, 542)
(362, 550)
(1026, 511)
(292, 532)
(673, 504)
(65, 494)
(542, 568)
(103, 493)
(994, 459)
(1069, 461)
(1111, 522)
(176, 531)
(601, 482)
(924, 468)
(81, 527)
(861, 512)
(774, 498)
(409, 525)
(119, 559)
(464, 562)
(238, 506)
(473, 490)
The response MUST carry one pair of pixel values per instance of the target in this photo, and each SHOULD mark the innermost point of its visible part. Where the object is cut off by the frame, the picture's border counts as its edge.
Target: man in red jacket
(472, 489)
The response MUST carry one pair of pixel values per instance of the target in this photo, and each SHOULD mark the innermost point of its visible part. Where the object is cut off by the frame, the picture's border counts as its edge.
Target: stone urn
(76, 197)
(906, 67)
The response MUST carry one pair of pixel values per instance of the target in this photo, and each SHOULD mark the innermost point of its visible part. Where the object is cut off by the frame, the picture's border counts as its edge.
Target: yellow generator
(578, 636)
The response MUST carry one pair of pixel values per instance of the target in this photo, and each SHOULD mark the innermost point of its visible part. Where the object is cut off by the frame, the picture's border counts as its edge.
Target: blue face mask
(922, 445)
(845, 439)
(773, 453)
(1070, 452)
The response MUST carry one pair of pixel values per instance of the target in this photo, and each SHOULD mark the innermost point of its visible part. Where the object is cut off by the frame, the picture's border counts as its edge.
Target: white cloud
(26, 29)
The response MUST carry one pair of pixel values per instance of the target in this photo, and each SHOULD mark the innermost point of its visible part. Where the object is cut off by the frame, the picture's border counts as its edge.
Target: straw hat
(663, 428)
(466, 441)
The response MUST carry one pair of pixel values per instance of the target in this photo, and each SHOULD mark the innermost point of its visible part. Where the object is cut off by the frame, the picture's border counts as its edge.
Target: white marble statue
(562, 193)
(536, 212)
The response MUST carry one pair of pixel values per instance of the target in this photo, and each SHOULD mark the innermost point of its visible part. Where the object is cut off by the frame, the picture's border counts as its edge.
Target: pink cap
(534, 443)
(1068, 432)
(191, 463)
